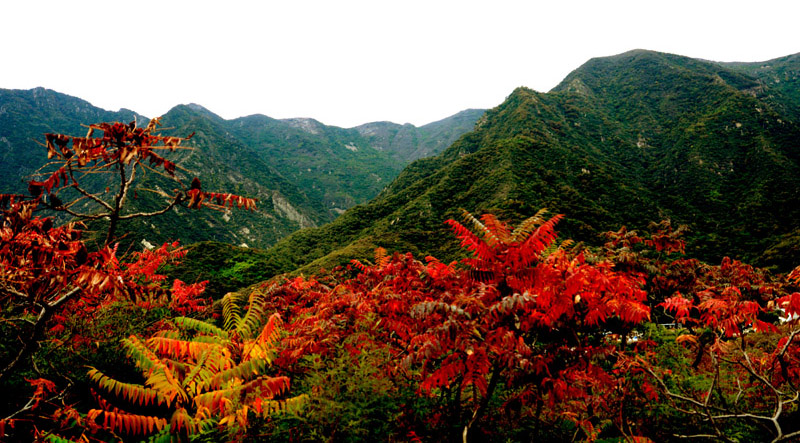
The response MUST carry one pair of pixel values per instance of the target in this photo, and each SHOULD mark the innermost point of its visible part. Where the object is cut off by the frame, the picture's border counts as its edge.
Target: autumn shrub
(62, 301)
(516, 326)
(726, 367)
(196, 378)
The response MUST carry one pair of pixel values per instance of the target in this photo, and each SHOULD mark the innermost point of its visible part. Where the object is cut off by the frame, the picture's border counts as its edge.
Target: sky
(347, 62)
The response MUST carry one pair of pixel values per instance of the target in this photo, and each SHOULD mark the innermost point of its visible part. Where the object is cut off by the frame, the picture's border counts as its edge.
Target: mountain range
(302, 172)
(626, 140)
(630, 139)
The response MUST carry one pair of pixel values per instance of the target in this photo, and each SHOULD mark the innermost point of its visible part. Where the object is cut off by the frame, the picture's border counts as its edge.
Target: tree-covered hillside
(25, 116)
(586, 322)
(629, 139)
(781, 76)
(302, 172)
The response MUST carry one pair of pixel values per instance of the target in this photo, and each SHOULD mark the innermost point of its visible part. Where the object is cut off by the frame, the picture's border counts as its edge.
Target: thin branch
(697, 436)
(738, 394)
(151, 214)
(86, 193)
(130, 179)
(28, 406)
(65, 298)
(788, 436)
(85, 216)
(12, 291)
(788, 342)
(32, 403)
(714, 382)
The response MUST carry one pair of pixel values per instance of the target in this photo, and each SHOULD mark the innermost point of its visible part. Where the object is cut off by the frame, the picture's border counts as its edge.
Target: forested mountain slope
(25, 116)
(781, 76)
(623, 140)
(303, 173)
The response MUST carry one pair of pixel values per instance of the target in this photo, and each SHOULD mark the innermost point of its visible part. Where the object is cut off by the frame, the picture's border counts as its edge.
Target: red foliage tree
(750, 364)
(523, 314)
(124, 151)
(48, 276)
(738, 360)
(532, 318)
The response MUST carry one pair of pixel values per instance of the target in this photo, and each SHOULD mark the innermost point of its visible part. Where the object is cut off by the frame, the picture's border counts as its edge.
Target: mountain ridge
(627, 139)
(339, 167)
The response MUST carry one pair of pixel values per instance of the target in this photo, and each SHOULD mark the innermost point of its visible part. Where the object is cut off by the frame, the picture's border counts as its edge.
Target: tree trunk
(484, 403)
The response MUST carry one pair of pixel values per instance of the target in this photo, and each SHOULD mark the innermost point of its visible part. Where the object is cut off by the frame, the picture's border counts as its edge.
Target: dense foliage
(479, 330)
(546, 339)
(51, 282)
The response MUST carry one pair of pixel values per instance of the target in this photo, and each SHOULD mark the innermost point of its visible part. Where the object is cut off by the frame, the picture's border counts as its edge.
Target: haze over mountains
(303, 172)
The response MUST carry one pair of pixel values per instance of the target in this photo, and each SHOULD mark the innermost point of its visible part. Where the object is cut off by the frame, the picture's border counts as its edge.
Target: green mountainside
(623, 140)
(302, 172)
(336, 167)
(781, 79)
(25, 116)
(781, 76)
(718, 155)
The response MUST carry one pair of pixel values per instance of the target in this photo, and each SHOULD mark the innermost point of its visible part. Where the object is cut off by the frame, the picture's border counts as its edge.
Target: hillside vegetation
(624, 313)
(302, 172)
(623, 140)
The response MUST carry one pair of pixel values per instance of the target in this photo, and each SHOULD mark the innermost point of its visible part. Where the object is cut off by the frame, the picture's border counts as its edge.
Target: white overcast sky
(350, 62)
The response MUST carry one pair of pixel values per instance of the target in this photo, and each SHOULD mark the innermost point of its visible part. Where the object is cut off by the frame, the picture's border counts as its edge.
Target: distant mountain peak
(40, 92)
(638, 51)
(196, 109)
